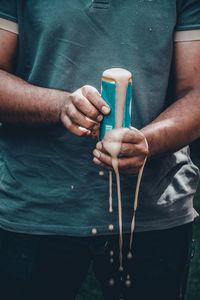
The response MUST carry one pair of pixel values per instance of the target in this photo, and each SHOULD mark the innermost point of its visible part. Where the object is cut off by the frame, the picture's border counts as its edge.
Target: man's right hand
(23, 103)
(83, 110)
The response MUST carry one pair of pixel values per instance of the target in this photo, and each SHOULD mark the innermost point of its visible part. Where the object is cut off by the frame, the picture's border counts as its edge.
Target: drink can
(108, 93)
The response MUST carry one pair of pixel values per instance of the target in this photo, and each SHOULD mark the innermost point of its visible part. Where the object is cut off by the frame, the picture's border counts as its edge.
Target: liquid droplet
(111, 227)
(128, 283)
(120, 268)
(129, 256)
(111, 282)
(94, 231)
(101, 173)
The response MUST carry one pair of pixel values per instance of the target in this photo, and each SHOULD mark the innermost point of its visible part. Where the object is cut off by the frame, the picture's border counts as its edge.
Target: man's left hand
(134, 149)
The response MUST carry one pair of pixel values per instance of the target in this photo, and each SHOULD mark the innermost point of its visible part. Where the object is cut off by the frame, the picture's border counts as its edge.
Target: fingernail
(85, 130)
(100, 118)
(99, 146)
(97, 153)
(105, 109)
(82, 129)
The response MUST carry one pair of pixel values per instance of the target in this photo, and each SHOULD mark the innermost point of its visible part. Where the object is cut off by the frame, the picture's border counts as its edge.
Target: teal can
(108, 93)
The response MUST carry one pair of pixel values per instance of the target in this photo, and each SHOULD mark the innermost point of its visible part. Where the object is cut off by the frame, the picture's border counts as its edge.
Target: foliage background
(91, 290)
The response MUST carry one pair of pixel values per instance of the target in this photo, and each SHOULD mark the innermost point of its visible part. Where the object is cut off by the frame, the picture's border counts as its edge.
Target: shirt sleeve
(8, 15)
(188, 21)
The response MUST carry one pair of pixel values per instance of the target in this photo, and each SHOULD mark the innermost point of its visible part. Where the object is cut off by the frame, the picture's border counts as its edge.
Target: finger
(130, 150)
(127, 171)
(99, 146)
(78, 118)
(130, 163)
(127, 149)
(95, 98)
(123, 163)
(104, 158)
(122, 171)
(99, 163)
(74, 128)
(85, 107)
(96, 127)
(125, 135)
(132, 135)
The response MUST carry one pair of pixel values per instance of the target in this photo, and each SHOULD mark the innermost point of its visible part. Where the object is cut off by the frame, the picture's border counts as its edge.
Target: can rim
(113, 81)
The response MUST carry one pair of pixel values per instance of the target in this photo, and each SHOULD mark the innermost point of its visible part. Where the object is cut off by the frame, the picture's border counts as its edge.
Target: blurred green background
(91, 290)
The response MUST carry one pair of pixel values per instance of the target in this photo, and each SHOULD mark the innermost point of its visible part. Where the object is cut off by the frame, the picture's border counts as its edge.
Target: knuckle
(89, 91)
(85, 89)
(124, 149)
(146, 152)
(140, 164)
(68, 109)
(76, 99)
(71, 98)
(143, 150)
(72, 114)
(93, 113)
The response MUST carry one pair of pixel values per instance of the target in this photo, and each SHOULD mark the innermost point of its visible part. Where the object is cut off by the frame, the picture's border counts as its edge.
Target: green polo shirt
(48, 182)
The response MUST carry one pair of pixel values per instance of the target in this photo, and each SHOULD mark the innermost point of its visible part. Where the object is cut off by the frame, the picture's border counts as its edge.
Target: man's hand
(22, 103)
(134, 149)
(83, 111)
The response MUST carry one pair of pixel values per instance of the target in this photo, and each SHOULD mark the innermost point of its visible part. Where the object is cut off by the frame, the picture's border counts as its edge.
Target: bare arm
(24, 103)
(176, 127)
(180, 123)
(21, 102)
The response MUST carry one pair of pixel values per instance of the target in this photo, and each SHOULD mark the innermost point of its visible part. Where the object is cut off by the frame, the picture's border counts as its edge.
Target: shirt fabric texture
(48, 182)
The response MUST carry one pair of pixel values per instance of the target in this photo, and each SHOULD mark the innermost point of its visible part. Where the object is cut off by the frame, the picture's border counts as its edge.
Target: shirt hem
(152, 226)
(101, 230)
(8, 25)
(187, 35)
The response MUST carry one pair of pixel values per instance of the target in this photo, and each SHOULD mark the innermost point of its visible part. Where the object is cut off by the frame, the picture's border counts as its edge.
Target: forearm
(176, 127)
(24, 103)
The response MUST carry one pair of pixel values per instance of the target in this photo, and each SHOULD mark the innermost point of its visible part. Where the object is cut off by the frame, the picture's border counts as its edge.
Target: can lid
(111, 75)
(113, 81)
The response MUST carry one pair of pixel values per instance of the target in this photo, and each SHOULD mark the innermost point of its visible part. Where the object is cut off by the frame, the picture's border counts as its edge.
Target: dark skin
(81, 112)
(176, 127)
(22, 103)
